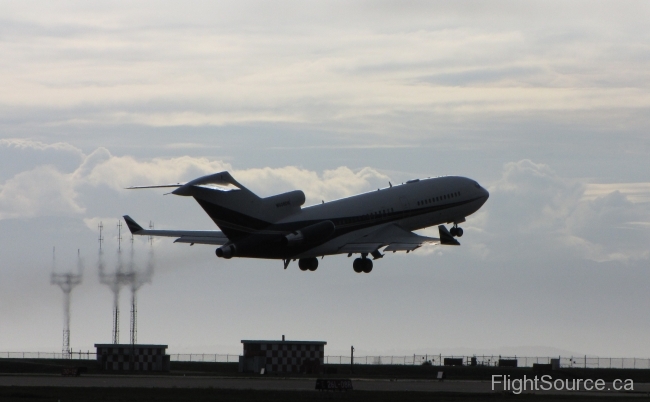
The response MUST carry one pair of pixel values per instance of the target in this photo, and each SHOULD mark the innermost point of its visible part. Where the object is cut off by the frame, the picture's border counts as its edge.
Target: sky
(545, 104)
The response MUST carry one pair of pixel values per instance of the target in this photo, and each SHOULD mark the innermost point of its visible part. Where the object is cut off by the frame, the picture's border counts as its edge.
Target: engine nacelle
(293, 199)
(311, 234)
(226, 252)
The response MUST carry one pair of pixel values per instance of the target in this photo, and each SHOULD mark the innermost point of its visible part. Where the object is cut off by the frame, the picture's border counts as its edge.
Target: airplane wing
(213, 237)
(395, 239)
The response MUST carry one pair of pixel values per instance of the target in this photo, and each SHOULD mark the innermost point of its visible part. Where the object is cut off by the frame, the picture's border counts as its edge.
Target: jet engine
(226, 252)
(244, 246)
(311, 234)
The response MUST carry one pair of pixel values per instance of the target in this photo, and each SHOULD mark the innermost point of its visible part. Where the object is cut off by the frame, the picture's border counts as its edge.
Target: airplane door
(405, 202)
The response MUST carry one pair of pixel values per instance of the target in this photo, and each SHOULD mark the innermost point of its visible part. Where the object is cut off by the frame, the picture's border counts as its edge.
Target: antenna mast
(150, 237)
(66, 282)
(116, 288)
(101, 238)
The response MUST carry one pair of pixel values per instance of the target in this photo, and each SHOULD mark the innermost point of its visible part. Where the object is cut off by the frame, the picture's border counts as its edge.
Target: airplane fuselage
(414, 205)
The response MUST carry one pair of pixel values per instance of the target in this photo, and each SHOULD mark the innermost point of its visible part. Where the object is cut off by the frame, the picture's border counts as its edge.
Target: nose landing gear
(456, 231)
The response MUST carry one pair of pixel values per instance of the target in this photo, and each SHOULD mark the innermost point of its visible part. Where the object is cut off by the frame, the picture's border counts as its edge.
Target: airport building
(127, 357)
(282, 356)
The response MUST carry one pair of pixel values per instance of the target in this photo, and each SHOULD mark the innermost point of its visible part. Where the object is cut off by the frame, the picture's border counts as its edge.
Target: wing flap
(402, 247)
(360, 247)
(392, 236)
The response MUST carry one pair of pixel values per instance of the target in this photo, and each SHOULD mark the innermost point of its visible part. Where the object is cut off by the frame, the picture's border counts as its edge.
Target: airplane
(278, 227)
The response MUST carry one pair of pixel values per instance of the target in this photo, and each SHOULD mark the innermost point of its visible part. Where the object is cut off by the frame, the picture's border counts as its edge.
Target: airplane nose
(486, 194)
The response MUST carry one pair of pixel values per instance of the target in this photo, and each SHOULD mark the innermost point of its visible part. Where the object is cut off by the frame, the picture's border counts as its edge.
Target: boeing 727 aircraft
(277, 227)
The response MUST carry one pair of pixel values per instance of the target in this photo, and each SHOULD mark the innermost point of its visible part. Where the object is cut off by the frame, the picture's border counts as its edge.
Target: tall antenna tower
(137, 279)
(116, 291)
(101, 238)
(151, 237)
(124, 276)
(115, 281)
(134, 318)
(66, 282)
(133, 330)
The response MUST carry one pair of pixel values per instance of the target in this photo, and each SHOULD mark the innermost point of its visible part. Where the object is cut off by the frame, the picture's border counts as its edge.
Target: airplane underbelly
(423, 221)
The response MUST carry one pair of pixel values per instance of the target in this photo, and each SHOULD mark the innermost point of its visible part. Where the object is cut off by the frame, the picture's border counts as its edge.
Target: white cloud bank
(531, 199)
(46, 190)
(528, 200)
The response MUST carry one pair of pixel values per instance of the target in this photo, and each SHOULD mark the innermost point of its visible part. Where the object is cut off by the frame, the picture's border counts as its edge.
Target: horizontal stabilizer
(184, 236)
(156, 186)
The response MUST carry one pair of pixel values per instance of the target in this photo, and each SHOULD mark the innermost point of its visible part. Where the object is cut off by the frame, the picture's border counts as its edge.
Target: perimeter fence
(411, 360)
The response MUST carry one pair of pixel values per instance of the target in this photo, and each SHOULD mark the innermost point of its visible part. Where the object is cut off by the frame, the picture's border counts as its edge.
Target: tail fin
(235, 209)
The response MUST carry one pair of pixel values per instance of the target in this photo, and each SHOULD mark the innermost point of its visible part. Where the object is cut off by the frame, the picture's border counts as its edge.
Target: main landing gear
(308, 264)
(362, 264)
(456, 231)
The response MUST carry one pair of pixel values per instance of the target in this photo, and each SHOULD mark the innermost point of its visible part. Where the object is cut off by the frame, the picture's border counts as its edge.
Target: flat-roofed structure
(282, 356)
(127, 357)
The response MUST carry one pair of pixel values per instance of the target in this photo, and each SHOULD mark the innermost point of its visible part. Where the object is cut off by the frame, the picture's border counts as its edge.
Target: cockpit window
(476, 185)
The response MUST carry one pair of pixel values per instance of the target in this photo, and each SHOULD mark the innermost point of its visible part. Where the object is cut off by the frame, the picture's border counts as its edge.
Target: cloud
(332, 184)
(634, 192)
(532, 200)
(119, 172)
(46, 190)
(318, 66)
(533, 197)
(41, 191)
(18, 155)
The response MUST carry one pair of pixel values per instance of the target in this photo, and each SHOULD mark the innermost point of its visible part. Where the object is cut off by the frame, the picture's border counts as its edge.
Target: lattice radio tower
(133, 330)
(116, 303)
(137, 279)
(115, 280)
(66, 282)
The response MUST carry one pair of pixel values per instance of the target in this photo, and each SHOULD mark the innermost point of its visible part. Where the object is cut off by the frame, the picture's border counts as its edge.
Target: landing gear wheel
(456, 231)
(367, 265)
(357, 265)
(308, 264)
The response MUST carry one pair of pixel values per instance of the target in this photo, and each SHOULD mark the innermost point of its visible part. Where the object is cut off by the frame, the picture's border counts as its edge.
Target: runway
(275, 383)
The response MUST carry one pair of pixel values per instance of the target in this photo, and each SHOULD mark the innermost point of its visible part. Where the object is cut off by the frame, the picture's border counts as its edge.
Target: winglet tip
(132, 225)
